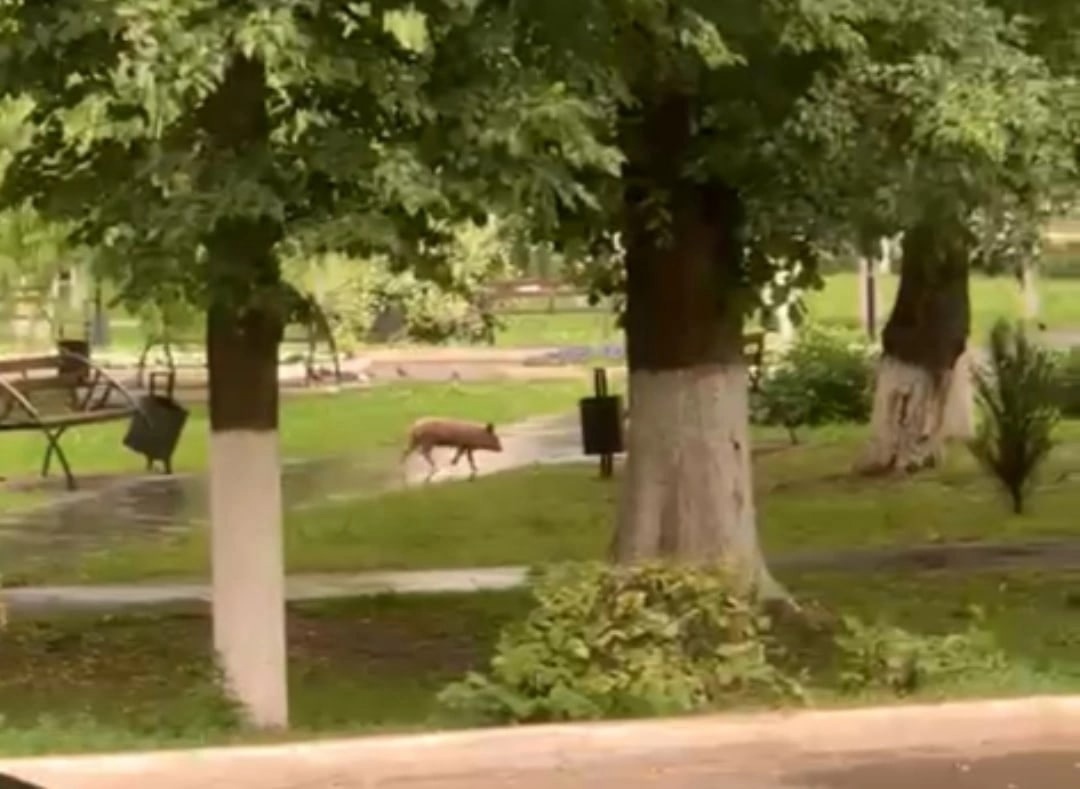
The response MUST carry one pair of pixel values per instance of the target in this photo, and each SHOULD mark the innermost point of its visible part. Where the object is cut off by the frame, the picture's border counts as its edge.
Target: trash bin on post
(155, 429)
(601, 424)
(74, 358)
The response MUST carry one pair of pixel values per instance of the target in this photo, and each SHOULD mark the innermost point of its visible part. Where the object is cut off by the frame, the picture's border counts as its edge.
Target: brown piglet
(466, 437)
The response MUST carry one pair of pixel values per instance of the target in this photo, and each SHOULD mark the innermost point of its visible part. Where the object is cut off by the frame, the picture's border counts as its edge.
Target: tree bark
(244, 329)
(923, 394)
(687, 494)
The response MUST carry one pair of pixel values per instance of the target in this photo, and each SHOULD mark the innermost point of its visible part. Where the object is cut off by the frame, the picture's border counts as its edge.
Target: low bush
(1067, 385)
(825, 377)
(604, 642)
(880, 657)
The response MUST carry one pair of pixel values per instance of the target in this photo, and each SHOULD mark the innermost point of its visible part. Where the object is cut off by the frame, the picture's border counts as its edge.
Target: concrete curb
(369, 762)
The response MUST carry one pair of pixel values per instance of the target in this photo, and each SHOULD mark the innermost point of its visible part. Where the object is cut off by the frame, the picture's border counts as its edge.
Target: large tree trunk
(687, 494)
(922, 392)
(245, 511)
(244, 328)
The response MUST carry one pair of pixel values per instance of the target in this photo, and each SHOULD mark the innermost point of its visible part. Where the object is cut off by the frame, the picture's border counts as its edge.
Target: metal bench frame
(90, 408)
(310, 341)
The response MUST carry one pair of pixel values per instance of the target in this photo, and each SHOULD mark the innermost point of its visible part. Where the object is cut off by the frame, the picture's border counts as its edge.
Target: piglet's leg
(472, 463)
(457, 456)
(426, 452)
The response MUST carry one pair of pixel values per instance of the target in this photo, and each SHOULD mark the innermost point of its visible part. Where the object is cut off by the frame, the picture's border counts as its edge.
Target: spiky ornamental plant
(1016, 393)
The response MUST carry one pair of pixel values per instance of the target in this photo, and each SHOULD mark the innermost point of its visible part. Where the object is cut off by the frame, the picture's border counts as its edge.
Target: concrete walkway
(962, 557)
(1016, 744)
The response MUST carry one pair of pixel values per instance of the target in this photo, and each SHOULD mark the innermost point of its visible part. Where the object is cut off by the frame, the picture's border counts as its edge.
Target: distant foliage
(365, 296)
(1068, 383)
(1017, 392)
(825, 377)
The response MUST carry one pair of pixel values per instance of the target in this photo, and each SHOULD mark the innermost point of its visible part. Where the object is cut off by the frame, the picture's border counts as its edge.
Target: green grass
(837, 304)
(312, 425)
(991, 298)
(92, 682)
(806, 496)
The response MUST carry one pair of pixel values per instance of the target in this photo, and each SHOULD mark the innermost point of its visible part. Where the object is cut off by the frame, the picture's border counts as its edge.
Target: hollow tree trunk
(687, 494)
(243, 333)
(922, 393)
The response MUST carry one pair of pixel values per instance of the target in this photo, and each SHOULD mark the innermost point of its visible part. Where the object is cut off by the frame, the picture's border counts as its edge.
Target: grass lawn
(837, 304)
(312, 425)
(806, 497)
(991, 298)
(89, 682)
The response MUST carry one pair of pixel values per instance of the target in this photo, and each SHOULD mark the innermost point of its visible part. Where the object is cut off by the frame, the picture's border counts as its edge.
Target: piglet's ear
(490, 428)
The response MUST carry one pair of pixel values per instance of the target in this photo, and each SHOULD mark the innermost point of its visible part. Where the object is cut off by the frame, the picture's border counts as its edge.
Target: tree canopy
(371, 127)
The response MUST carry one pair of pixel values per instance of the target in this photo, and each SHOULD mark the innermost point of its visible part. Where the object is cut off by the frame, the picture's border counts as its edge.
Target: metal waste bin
(74, 355)
(155, 429)
(601, 424)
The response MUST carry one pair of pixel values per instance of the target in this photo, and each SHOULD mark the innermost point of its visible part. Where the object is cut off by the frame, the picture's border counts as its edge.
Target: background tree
(190, 139)
(969, 134)
(756, 134)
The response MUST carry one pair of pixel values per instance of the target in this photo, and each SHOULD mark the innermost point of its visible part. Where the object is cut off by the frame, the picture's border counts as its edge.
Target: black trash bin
(154, 430)
(601, 425)
(74, 355)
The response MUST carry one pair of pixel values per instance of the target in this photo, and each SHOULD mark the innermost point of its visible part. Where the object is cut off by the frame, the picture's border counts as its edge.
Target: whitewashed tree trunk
(923, 392)
(1029, 289)
(244, 330)
(868, 300)
(688, 489)
(245, 513)
(687, 493)
(959, 421)
(887, 255)
(248, 572)
(914, 414)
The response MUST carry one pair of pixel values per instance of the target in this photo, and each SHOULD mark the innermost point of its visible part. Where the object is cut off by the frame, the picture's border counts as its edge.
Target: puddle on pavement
(109, 512)
(160, 507)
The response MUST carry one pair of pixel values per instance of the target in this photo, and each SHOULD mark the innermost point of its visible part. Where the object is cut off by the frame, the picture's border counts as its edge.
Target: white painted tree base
(249, 573)
(960, 402)
(1029, 287)
(913, 415)
(687, 490)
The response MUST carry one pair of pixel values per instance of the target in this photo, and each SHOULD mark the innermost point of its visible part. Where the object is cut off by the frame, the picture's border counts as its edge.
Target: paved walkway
(961, 557)
(1017, 744)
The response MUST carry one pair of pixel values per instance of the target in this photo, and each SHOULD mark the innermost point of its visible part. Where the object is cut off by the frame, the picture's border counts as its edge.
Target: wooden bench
(54, 393)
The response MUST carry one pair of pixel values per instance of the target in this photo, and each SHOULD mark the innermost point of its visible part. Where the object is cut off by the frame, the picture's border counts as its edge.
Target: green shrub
(886, 658)
(603, 642)
(824, 377)
(371, 296)
(1017, 392)
(1067, 385)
